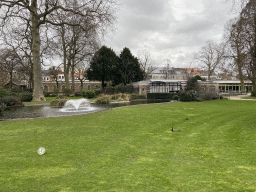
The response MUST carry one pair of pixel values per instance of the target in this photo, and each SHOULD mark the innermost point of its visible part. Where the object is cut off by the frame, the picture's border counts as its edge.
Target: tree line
(236, 54)
(33, 31)
(107, 66)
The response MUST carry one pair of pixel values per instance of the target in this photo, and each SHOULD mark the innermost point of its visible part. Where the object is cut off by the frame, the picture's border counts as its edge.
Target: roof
(167, 80)
(159, 70)
(141, 83)
(231, 82)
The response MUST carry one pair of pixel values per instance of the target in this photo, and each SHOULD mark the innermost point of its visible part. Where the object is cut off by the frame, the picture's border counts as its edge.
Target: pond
(47, 111)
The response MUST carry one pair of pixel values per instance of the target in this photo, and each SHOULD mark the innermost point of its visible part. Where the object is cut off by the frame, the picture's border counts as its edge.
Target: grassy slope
(133, 149)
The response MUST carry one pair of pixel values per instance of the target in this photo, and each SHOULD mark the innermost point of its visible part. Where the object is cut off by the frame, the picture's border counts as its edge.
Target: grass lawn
(248, 97)
(133, 149)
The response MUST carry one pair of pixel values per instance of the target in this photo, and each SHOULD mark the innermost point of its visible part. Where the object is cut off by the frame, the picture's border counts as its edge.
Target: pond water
(47, 111)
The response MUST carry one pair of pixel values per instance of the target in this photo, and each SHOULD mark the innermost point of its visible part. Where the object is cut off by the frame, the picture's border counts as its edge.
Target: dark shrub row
(253, 93)
(160, 96)
(123, 88)
(2, 108)
(184, 96)
(11, 101)
(88, 94)
(137, 96)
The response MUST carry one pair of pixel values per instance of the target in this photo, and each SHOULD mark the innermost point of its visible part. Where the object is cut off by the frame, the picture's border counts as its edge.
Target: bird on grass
(176, 130)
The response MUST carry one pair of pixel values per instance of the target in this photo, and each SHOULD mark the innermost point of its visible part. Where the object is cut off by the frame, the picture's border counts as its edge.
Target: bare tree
(40, 12)
(210, 57)
(10, 62)
(248, 18)
(146, 63)
(79, 41)
(235, 49)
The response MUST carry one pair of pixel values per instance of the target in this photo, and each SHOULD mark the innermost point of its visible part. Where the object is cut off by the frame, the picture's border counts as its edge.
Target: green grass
(248, 97)
(133, 149)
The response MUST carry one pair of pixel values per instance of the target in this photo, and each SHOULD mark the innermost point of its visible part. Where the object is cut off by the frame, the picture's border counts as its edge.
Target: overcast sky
(168, 29)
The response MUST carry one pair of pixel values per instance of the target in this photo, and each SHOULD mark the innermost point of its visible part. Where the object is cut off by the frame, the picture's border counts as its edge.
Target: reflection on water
(47, 111)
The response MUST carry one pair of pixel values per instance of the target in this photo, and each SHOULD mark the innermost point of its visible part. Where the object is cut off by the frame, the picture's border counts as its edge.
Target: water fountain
(77, 106)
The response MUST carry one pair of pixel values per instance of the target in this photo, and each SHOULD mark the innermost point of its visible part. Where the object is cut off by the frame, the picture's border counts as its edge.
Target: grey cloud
(139, 19)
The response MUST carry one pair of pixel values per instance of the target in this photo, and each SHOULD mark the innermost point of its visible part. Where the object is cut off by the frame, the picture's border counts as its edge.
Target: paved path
(239, 97)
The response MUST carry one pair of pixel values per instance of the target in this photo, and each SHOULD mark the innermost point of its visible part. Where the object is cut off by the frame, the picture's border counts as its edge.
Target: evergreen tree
(129, 68)
(103, 65)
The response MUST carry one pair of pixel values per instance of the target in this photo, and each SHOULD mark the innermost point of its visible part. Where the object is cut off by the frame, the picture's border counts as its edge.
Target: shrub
(16, 89)
(185, 96)
(98, 91)
(2, 108)
(253, 93)
(56, 91)
(67, 92)
(120, 97)
(199, 99)
(175, 97)
(11, 101)
(159, 95)
(47, 94)
(59, 101)
(137, 96)
(121, 88)
(3, 92)
(103, 99)
(88, 94)
(78, 94)
(26, 96)
(114, 97)
(208, 95)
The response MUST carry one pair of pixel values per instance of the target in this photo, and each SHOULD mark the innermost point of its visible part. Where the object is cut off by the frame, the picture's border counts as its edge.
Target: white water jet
(76, 105)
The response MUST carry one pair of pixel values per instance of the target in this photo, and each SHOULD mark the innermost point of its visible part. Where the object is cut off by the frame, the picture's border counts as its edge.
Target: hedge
(160, 96)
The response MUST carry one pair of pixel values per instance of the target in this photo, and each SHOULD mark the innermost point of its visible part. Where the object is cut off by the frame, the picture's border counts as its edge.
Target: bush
(103, 99)
(88, 94)
(11, 101)
(137, 96)
(175, 97)
(67, 92)
(78, 94)
(160, 96)
(2, 108)
(56, 91)
(59, 101)
(27, 97)
(98, 91)
(120, 97)
(121, 88)
(199, 99)
(47, 94)
(185, 96)
(253, 93)
(3, 92)
(208, 95)
(16, 89)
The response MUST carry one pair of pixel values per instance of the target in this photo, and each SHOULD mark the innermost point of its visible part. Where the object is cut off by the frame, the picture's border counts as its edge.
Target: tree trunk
(73, 76)
(66, 66)
(38, 86)
(10, 79)
(239, 65)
